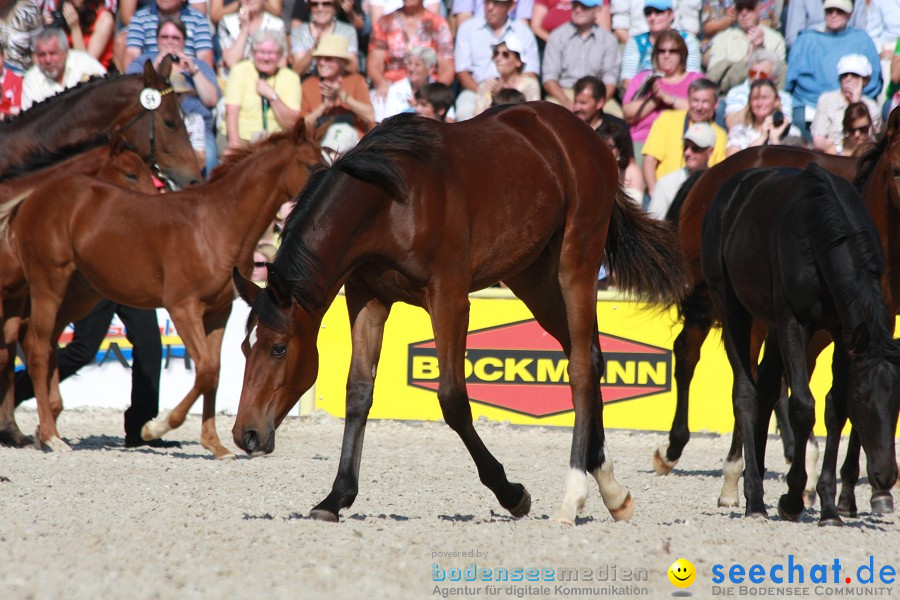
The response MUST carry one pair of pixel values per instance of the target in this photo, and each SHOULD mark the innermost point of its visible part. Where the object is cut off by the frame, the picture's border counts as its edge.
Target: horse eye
(131, 177)
(169, 123)
(278, 351)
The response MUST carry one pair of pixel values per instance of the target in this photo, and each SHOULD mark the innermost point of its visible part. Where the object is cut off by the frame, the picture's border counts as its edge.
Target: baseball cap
(658, 4)
(701, 134)
(513, 42)
(856, 64)
(588, 3)
(844, 5)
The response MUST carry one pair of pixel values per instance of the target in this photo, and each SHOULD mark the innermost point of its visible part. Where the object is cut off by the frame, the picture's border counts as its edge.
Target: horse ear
(320, 131)
(151, 79)
(893, 126)
(117, 143)
(165, 67)
(276, 284)
(860, 342)
(246, 289)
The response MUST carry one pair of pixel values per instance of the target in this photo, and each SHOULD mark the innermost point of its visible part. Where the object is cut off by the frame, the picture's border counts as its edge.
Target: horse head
(892, 135)
(126, 168)
(282, 359)
(874, 401)
(166, 142)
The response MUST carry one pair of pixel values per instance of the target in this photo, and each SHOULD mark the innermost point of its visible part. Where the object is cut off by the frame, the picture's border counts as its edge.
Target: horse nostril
(250, 441)
(270, 445)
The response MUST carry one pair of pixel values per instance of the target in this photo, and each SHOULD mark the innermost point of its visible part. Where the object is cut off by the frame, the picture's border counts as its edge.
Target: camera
(58, 21)
(777, 118)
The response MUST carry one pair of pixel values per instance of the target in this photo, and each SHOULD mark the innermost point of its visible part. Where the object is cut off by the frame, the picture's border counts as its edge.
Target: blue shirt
(142, 30)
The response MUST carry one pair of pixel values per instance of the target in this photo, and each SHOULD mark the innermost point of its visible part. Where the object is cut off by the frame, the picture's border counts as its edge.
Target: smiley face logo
(682, 573)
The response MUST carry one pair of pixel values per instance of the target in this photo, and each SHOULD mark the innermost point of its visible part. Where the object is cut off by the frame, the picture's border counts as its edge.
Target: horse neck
(339, 231)
(882, 200)
(87, 114)
(86, 163)
(247, 197)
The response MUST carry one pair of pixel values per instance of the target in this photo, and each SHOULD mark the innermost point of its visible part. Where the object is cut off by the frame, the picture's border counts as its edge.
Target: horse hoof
(757, 514)
(323, 515)
(13, 438)
(831, 522)
(882, 504)
(625, 511)
(155, 428)
(661, 465)
(785, 512)
(225, 456)
(563, 518)
(521, 509)
(809, 498)
(54, 444)
(728, 502)
(847, 507)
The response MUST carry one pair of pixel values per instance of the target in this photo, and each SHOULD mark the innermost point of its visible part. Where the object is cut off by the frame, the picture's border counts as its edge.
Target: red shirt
(10, 93)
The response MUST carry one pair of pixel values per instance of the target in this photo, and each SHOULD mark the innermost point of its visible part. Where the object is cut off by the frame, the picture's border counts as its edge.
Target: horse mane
(680, 196)
(48, 158)
(61, 102)
(239, 154)
(832, 223)
(868, 161)
(373, 159)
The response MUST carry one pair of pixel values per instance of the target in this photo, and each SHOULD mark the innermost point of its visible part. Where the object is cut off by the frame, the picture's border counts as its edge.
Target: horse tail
(8, 209)
(644, 256)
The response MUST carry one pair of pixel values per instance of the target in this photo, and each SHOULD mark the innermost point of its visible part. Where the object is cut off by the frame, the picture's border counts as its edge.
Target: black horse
(802, 264)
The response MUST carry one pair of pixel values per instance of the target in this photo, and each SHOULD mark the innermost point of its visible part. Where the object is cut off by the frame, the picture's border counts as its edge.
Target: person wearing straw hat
(334, 94)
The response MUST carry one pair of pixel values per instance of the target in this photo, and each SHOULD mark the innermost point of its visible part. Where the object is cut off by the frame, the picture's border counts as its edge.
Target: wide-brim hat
(334, 46)
(856, 64)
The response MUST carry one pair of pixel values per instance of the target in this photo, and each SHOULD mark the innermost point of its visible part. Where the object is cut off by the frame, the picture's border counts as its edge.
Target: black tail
(678, 201)
(644, 256)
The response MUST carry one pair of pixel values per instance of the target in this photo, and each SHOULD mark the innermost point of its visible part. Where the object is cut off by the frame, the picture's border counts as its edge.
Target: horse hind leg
(732, 471)
(697, 323)
(10, 434)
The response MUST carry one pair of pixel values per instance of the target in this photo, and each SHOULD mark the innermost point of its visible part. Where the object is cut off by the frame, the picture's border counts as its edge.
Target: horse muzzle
(254, 443)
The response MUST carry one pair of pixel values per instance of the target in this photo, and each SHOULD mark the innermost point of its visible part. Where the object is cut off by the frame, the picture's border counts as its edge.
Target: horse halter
(150, 99)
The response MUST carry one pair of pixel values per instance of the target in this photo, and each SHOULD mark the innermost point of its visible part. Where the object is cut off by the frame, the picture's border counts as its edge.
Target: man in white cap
(699, 141)
(814, 57)
(473, 50)
(854, 72)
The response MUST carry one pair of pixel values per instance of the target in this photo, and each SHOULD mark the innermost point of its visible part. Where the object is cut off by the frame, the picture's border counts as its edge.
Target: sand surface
(108, 522)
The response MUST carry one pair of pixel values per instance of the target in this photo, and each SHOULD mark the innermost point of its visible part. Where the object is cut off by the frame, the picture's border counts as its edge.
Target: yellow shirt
(664, 142)
(240, 90)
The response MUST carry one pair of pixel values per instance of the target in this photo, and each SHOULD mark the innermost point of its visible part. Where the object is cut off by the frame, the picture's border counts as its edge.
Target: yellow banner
(516, 372)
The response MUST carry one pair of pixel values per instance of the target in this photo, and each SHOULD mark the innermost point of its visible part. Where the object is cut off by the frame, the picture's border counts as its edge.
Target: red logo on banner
(520, 367)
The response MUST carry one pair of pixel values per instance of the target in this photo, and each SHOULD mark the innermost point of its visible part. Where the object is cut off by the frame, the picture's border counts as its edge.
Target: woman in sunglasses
(854, 73)
(322, 22)
(508, 60)
(858, 132)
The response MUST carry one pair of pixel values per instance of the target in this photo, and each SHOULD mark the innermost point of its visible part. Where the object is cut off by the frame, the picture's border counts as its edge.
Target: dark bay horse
(114, 163)
(418, 213)
(874, 174)
(173, 250)
(813, 263)
(90, 113)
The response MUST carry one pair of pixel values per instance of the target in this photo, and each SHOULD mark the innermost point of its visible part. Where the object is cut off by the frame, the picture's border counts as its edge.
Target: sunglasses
(669, 51)
(864, 130)
(652, 11)
(176, 38)
(694, 148)
(503, 53)
(320, 4)
(754, 74)
(259, 265)
(832, 11)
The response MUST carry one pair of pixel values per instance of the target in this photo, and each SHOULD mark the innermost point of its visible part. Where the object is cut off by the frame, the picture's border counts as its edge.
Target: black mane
(47, 158)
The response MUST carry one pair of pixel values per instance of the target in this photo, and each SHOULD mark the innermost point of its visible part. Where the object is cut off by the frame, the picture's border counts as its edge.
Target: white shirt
(664, 193)
(80, 66)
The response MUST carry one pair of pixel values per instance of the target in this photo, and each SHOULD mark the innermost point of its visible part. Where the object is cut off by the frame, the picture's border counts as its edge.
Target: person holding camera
(88, 24)
(764, 122)
(665, 87)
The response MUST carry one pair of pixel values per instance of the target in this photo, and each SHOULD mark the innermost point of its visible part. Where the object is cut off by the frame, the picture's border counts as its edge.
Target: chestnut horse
(419, 213)
(813, 263)
(114, 163)
(88, 114)
(174, 251)
(875, 175)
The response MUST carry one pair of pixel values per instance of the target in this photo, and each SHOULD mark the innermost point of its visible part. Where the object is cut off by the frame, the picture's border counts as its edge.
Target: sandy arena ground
(106, 522)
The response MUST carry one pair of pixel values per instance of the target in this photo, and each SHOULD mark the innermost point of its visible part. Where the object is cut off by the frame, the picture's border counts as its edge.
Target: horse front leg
(208, 380)
(367, 318)
(40, 348)
(449, 311)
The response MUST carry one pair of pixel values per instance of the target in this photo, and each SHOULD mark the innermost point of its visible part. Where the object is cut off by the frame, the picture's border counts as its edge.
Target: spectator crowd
(673, 86)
